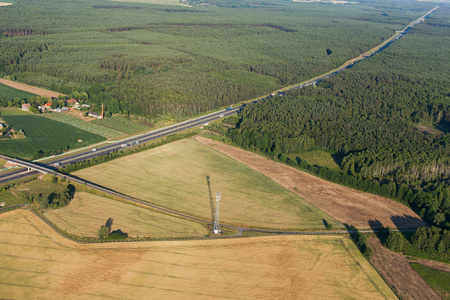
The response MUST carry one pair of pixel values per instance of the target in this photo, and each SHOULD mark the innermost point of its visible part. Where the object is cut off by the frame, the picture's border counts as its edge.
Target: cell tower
(216, 228)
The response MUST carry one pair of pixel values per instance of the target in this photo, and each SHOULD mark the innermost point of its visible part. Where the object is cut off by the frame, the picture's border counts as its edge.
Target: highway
(145, 137)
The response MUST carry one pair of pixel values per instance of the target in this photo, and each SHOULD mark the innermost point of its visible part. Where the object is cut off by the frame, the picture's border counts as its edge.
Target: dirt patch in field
(5, 4)
(397, 271)
(29, 88)
(341, 203)
(38, 263)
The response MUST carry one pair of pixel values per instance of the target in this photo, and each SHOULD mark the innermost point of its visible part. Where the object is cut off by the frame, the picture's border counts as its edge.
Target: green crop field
(121, 124)
(87, 212)
(10, 93)
(41, 134)
(438, 280)
(88, 126)
(174, 175)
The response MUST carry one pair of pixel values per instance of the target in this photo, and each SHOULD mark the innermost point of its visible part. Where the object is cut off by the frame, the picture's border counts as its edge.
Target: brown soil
(398, 273)
(344, 204)
(431, 264)
(29, 88)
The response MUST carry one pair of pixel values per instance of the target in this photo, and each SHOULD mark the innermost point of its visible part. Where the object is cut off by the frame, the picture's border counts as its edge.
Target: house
(95, 115)
(61, 109)
(72, 102)
(1, 126)
(26, 106)
(46, 106)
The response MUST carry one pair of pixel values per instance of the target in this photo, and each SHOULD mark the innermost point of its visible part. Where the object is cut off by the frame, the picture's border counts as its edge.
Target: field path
(344, 204)
(29, 88)
(397, 271)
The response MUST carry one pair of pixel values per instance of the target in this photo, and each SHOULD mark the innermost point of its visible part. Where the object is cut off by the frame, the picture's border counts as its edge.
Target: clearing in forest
(30, 89)
(38, 263)
(87, 212)
(344, 204)
(174, 176)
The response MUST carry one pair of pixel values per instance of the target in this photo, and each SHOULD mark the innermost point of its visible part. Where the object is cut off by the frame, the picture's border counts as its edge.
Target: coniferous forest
(177, 60)
(386, 122)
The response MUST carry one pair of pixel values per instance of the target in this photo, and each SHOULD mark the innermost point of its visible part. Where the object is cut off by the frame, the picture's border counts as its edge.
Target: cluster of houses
(71, 104)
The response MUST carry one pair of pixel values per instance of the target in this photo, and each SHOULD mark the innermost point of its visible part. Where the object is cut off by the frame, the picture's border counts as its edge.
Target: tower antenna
(216, 228)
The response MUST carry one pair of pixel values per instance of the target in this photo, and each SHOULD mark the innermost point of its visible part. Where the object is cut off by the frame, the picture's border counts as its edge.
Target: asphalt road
(142, 138)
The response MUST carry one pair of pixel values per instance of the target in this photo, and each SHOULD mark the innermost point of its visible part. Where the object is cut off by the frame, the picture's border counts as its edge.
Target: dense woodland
(387, 121)
(174, 60)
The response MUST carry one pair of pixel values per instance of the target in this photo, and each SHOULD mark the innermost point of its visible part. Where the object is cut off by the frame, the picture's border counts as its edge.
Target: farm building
(72, 102)
(26, 106)
(95, 115)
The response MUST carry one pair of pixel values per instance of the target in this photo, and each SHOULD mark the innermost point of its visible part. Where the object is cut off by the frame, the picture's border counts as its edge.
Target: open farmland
(37, 263)
(121, 124)
(87, 212)
(346, 205)
(174, 176)
(41, 134)
(10, 93)
(85, 125)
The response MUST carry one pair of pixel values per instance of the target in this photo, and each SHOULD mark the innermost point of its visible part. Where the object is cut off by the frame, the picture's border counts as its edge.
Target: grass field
(87, 212)
(37, 263)
(320, 158)
(10, 93)
(174, 175)
(84, 125)
(121, 124)
(438, 280)
(41, 134)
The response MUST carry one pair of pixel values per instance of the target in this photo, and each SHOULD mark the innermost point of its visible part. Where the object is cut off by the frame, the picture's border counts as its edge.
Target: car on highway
(95, 149)
(222, 115)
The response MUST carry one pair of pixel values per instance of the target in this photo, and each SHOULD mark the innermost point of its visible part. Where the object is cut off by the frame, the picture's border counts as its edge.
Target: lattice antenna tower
(216, 228)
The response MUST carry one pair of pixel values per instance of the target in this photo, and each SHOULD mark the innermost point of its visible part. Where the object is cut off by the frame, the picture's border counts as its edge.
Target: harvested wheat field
(174, 176)
(29, 88)
(341, 203)
(87, 212)
(37, 263)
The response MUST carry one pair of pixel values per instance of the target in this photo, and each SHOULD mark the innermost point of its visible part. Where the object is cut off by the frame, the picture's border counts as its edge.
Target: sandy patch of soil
(397, 271)
(5, 4)
(29, 88)
(344, 204)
